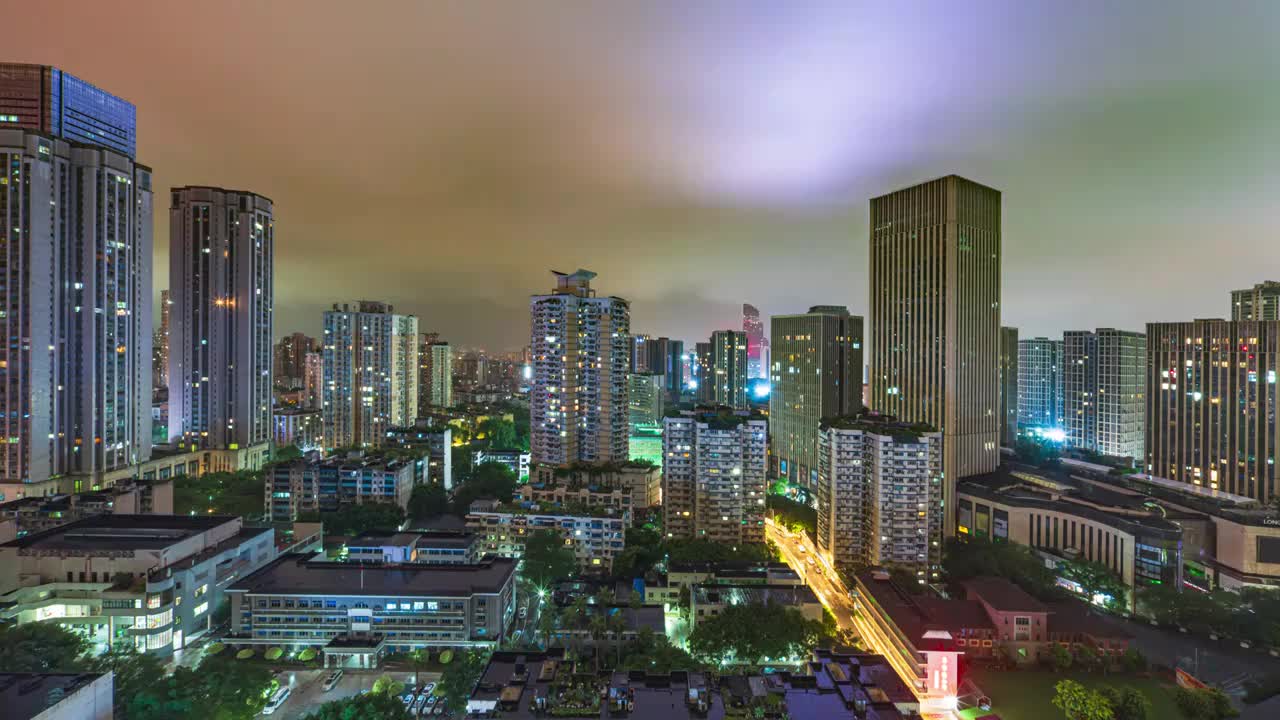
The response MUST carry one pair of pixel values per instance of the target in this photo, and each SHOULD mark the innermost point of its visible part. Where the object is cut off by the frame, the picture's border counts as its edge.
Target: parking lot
(308, 688)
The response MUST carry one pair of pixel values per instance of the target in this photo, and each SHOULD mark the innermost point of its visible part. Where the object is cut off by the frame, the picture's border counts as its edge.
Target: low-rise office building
(150, 581)
(34, 514)
(638, 481)
(1065, 520)
(708, 601)
(311, 484)
(435, 439)
(597, 535)
(301, 427)
(681, 575)
(354, 614)
(57, 696)
(515, 460)
(434, 547)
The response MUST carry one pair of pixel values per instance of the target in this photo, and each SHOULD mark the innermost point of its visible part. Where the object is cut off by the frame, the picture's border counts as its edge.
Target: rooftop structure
(56, 696)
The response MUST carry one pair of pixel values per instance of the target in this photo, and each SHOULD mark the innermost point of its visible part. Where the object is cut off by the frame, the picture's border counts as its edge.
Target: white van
(277, 700)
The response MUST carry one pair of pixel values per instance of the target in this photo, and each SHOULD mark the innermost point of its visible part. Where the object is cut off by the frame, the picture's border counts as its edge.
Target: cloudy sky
(444, 156)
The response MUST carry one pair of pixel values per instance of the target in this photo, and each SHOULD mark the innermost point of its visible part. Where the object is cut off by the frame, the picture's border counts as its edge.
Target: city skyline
(625, 165)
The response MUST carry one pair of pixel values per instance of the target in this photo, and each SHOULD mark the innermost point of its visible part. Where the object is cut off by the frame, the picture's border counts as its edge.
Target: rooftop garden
(872, 422)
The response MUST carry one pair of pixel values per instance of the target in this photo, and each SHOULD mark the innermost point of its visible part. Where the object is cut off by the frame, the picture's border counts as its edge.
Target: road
(797, 550)
(309, 694)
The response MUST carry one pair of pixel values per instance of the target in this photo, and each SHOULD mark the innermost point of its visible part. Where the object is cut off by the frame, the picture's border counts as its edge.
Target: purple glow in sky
(444, 156)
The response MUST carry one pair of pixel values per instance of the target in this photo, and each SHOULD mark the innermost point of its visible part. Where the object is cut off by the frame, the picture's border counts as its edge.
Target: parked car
(332, 681)
(276, 701)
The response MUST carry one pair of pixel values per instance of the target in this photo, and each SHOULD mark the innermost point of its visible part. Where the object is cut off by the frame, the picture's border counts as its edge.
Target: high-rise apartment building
(160, 345)
(645, 400)
(1212, 405)
(1039, 383)
(703, 371)
(729, 369)
(935, 318)
(713, 476)
(1260, 302)
(370, 373)
(880, 494)
(1008, 386)
(757, 343)
(816, 374)
(221, 245)
(76, 371)
(290, 357)
(1104, 379)
(435, 383)
(640, 354)
(581, 346)
(661, 356)
(60, 105)
(313, 379)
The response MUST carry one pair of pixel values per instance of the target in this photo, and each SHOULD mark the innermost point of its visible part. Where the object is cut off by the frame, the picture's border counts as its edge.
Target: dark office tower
(291, 358)
(75, 401)
(935, 318)
(221, 245)
(702, 370)
(59, 104)
(1260, 302)
(816, 374)
(1039, 383)
(1008, 386)
(757, 344)
(1104, 383)
(640, 348)
(435, 378)
(673, 368)
(1212, 404)
(729, 368)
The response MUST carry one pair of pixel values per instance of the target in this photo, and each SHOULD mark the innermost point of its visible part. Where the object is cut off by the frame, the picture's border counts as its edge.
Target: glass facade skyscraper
(52, 101)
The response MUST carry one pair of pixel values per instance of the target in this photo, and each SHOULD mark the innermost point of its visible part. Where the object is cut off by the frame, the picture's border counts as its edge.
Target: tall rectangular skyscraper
(1008, 386)
(1260, 302)
(1039, 383)
(370, 373)
(435, 383)
(757, 343)
(1104, 383)
(221, 247)
(75, 400)
(935, 318)
(582, 351)
(816, 373)
(61, 105)
(729, 368)
(1212, 406)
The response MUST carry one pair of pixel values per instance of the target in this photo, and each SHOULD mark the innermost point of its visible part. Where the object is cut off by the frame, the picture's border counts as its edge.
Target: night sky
(444, 156)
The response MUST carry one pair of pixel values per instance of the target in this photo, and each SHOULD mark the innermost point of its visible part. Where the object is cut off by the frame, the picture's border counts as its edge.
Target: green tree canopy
(459, 679)
(353, 519)
(219, 493)
(488, 480)
(1097, 578)
(1080, 703)
(749, 633)
(547, 558)
(42, 648)
(965, 559)
(1211, 704)
(428, 500)
(220, 688)
(1127, 703)
(370, 706)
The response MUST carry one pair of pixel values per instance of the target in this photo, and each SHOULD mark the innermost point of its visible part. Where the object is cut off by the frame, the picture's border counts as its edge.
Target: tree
(1039, 452)
(1019, 564)
(547, 558)
(355, 518)
(1196, 704)
(220, 688)
(387, 685)
(42, 648)
(1097, 579)
(749, 633)
(370, 706)
(459, 679)
(500, 433)
(1080, 703)
(220, 493)
(1127, 703)
(1060, 658)
(428, 500)
(795, 516)
(135, 672)
(1087, 658)
(286, 454)
(488, 480)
